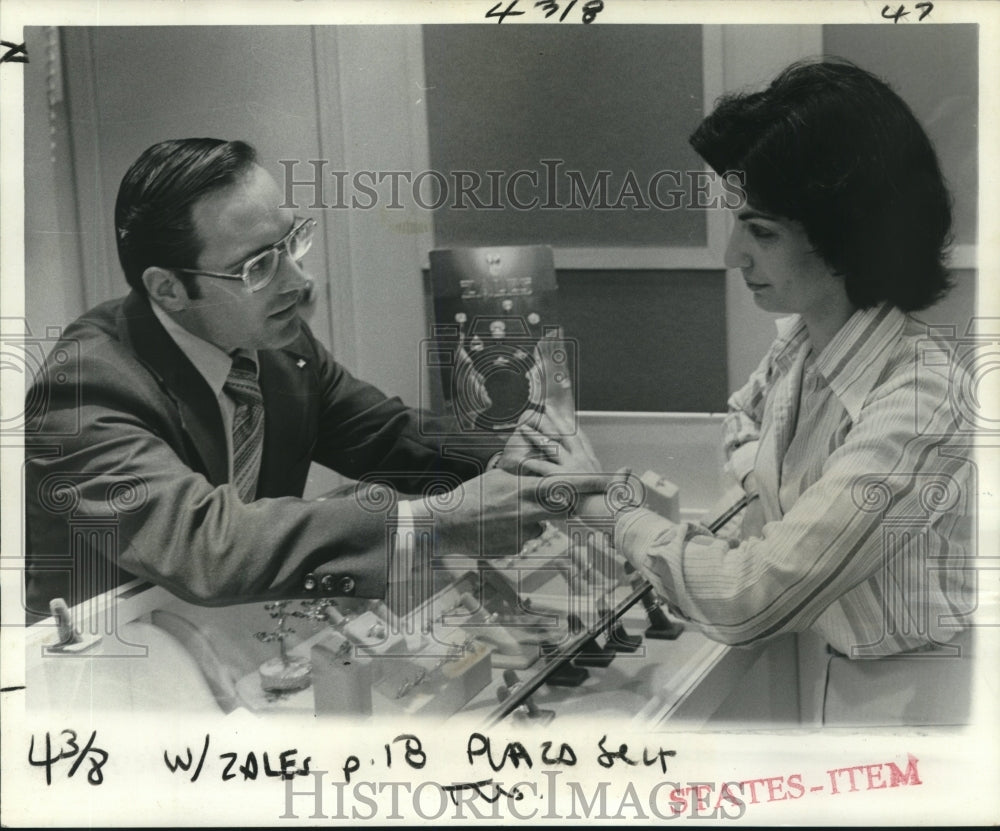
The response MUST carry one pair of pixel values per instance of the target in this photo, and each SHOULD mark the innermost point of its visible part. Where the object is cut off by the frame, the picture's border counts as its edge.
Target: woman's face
(780, 266)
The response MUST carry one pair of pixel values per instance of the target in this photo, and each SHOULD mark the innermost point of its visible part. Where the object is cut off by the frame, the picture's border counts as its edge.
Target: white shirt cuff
(743, 460)
(401, 555)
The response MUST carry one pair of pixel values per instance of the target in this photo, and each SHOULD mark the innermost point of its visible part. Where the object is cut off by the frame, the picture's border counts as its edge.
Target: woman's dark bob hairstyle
(833, 147)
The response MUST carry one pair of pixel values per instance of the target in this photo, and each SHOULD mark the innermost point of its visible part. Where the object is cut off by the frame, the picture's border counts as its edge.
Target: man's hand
(494, 514)
(560, 447)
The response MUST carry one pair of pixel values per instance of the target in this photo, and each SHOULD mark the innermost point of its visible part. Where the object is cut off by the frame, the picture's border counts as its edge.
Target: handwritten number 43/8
(550, 7)
(895, 16)
(68, 749)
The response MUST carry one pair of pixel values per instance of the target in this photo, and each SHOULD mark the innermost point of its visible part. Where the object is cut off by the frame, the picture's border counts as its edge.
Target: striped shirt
(865, 496)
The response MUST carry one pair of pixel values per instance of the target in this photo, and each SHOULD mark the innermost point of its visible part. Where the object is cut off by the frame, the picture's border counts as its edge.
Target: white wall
(382, 126)
(54, 293)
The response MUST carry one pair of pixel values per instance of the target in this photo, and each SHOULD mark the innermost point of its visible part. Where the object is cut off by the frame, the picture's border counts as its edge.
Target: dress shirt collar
(792, 334)
(213, 363)
(854, 359)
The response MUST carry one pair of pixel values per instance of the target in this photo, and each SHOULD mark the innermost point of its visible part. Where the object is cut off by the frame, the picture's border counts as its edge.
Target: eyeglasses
(257, 272)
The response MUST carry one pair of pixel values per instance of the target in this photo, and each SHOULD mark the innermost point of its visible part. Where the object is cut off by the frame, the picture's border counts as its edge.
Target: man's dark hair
(153, 224)
(833, 147)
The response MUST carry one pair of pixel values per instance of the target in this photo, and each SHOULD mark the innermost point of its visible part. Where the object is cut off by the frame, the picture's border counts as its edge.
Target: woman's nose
(736, 253)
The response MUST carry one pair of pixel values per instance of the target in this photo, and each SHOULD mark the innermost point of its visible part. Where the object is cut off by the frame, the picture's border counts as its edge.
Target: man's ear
(165, 289)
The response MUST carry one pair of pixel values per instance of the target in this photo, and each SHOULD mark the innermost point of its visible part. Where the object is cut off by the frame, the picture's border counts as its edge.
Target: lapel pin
(300, 363)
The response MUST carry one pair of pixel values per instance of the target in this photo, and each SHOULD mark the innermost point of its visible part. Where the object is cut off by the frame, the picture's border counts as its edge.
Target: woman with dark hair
(842, 438)
(834, 149)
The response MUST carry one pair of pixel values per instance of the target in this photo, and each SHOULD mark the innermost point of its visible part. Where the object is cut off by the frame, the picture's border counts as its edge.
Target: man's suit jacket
(127, 468)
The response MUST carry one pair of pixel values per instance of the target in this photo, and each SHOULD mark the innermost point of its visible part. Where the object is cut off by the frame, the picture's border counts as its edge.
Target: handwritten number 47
(895, 16)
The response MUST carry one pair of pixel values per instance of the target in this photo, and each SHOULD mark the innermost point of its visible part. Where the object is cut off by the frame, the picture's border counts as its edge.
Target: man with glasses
(174, 441)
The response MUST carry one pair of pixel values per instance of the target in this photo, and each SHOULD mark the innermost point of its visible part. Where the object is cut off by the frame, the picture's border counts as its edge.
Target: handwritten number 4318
(550, 7)
(895, 16)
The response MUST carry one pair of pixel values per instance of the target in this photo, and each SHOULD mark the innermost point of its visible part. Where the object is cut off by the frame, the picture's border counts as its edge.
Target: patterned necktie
(248, 424)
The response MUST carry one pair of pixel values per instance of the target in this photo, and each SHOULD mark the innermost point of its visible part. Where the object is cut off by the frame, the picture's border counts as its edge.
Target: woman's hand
(567, 454)
(560, 447)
